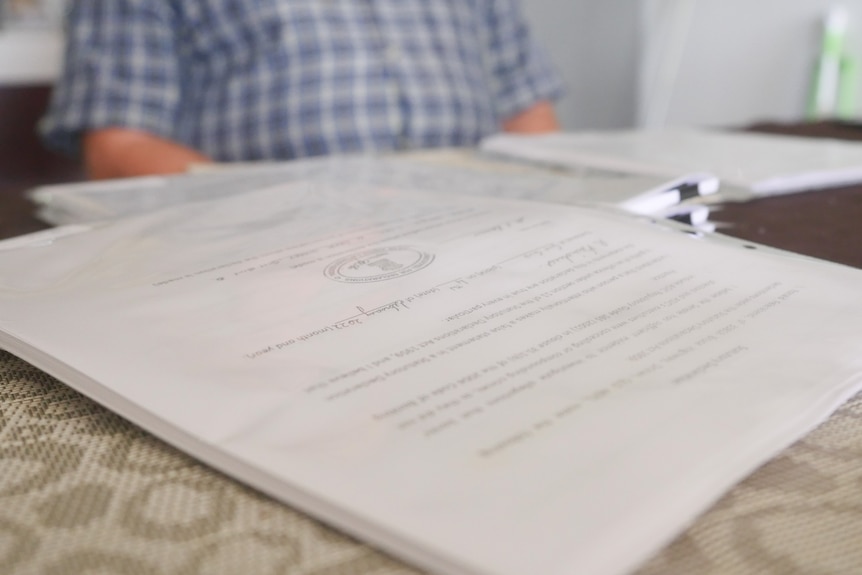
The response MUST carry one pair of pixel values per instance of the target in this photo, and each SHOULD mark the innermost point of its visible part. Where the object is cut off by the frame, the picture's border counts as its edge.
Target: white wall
(29, 56)
(725, 63)
(594, 44)
(737, 62)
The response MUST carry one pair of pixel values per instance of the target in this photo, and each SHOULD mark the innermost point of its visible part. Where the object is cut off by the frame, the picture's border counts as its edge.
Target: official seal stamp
(379, 264)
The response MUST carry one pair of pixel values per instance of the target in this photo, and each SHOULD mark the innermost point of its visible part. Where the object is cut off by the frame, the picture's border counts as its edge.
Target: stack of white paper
(761, 163)
(439, 172)
(477, 386)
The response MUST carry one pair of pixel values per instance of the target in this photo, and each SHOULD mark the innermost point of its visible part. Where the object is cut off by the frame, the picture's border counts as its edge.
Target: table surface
(82, 490)
(823, 224)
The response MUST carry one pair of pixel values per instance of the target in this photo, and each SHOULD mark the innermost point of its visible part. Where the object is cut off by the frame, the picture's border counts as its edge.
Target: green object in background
(831, 88)
(847, 108)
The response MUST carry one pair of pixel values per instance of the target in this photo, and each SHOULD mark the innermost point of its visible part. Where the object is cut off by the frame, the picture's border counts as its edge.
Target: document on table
(439, 171)
(762, 164)
(477, 386)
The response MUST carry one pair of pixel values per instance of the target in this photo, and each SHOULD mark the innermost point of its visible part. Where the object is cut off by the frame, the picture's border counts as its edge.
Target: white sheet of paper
(762, 164)
(477, 386)
(437, 171)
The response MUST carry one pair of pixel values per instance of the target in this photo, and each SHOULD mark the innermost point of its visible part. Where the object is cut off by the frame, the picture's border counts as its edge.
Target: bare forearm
(539, 118)
(122, 152)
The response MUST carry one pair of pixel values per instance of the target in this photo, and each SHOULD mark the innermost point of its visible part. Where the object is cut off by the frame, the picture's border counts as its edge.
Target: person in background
(152, 86)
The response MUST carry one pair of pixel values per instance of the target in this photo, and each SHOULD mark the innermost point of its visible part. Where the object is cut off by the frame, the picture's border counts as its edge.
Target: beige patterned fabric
(84, 492)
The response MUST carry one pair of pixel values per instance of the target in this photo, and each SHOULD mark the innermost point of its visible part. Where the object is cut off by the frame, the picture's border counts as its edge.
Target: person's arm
(124, 152)
(525, 81)
(119, 98)
(537, 119)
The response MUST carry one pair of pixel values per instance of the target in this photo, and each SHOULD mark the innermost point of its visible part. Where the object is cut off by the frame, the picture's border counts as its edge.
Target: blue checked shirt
(279, 79)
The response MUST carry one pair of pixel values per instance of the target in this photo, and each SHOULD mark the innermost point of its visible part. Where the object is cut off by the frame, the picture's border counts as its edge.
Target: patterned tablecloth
(83, 491)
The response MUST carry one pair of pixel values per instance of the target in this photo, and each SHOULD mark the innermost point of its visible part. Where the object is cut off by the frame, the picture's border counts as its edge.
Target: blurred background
(628, 63)
(651, 63)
